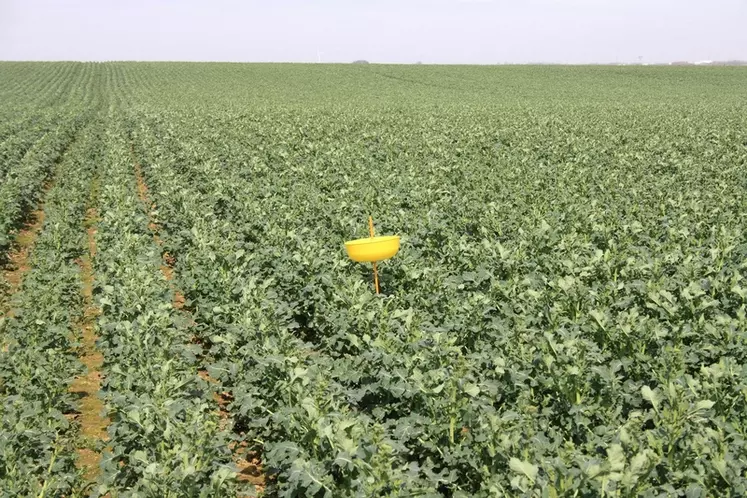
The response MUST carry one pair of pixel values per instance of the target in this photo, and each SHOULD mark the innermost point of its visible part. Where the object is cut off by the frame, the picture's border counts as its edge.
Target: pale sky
(397, 31)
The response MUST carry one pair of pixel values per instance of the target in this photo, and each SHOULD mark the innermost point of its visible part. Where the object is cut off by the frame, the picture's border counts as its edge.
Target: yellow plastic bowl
(373, 248)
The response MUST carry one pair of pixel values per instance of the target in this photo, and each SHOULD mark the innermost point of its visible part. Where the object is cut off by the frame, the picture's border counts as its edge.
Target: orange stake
(376, 273)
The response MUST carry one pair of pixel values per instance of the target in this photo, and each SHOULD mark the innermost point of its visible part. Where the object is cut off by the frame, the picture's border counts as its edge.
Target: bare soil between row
(93, 423)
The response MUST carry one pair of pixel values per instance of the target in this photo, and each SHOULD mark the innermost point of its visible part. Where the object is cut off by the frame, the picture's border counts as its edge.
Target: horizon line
(363, 62)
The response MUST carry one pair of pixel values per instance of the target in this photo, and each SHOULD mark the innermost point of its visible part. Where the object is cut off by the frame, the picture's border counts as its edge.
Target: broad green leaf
(525, 468)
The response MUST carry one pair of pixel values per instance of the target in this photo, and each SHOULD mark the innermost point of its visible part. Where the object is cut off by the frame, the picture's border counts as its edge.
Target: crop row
(21, 189)
(39, 361)
(165, 436)
(18, 135)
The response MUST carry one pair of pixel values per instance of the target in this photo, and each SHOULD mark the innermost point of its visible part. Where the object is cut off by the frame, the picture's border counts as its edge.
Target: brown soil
(249, 464)
(90, 407)
(18, 259)
(168, 271)
(249, 470)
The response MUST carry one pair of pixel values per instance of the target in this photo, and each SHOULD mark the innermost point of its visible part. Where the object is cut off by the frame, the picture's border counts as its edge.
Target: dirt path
(18, 261)
(90, 407)
(249, 466)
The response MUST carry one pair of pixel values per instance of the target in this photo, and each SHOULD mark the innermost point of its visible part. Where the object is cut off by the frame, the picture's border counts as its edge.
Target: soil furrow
(93, 423)
(18, 260)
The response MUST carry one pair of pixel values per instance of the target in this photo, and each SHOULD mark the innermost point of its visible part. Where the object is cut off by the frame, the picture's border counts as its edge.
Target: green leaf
(616, 457)
(638, 463)
(704, 404)
(471, 389)
(650, 396)
(522, 467)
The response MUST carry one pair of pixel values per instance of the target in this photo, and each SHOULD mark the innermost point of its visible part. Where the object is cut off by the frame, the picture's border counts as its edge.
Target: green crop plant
(566, 315)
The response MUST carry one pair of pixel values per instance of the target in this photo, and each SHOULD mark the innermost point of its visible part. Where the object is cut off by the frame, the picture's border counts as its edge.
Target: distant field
(567, 315)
